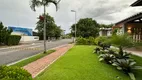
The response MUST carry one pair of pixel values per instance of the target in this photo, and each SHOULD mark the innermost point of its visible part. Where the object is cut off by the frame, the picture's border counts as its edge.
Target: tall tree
(58, 32)
(86, 27)
(53, 29)
(44, 3)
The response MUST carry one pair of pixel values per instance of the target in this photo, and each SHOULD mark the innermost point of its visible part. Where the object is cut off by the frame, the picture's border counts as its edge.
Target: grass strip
(34, 58)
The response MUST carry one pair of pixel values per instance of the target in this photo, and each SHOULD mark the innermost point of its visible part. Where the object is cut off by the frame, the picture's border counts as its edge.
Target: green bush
(85, 41)
(14, 73)
(122, 41)
(91, 40)
(13, 40)
(4, 34)
(101, 39)
(81, 41)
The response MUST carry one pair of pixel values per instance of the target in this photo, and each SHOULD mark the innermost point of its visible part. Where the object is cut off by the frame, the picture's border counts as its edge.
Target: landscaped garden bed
(80, 63)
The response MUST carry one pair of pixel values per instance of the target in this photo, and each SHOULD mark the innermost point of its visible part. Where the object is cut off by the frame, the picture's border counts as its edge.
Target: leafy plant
(97, 50)
(81, 41)
(104, 45)
(121, 41)
(108, 58)
(100, 39)
(126, 65)
(122, 55)
(91, 40)
(85, 41)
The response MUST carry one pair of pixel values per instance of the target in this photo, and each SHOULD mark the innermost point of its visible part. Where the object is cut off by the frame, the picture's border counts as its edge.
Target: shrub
(13, 40)
(100, 39)
(14, 73)
(4, 34)
(91, 41)
(85, 41)
(121, 41)
(81, 41)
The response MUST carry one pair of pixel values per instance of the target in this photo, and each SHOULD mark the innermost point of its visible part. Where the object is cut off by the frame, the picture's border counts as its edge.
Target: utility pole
(75, 24)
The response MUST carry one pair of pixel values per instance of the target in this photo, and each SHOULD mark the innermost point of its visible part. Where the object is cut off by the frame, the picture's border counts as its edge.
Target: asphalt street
(16, 53)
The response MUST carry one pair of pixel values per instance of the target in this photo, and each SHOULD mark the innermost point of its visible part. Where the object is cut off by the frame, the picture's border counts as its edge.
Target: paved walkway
(38, 66)
(138, 53)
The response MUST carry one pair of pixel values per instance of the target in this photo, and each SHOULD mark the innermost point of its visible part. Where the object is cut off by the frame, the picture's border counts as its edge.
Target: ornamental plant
(127, 66)
(14, 73)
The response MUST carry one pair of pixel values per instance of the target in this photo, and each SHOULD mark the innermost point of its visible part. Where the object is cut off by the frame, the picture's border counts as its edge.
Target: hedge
(101, 39)
(14, 73)
(85, 41)
(13, 40)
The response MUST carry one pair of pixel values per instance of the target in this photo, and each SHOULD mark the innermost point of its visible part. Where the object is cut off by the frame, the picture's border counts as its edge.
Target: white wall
(108, 33)
(29, 38)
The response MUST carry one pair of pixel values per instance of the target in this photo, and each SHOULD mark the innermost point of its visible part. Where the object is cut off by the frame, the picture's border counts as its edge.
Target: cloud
(18, 12)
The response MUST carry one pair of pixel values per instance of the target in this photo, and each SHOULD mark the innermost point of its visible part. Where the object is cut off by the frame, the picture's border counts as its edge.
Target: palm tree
(44, 3)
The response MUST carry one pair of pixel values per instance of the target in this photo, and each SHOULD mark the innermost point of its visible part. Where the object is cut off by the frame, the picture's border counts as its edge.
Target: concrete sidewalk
(40, 65)
(138, 53)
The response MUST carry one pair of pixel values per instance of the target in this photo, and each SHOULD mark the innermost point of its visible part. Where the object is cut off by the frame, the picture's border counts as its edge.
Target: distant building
(25, 33)
(21, 31)
(105, 31)
(131, 25)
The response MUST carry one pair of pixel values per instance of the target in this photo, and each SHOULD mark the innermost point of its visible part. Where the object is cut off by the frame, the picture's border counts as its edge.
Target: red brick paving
(37, 66)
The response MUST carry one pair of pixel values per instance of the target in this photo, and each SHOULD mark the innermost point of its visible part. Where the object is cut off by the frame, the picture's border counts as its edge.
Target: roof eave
(136, 3)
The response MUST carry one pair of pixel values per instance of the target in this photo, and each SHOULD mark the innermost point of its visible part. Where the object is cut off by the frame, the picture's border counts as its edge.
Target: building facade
(131, 25)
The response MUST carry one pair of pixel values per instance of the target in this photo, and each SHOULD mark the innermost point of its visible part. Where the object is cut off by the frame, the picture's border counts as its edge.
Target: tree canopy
(52, 29)
(39, 3)
(86, 27)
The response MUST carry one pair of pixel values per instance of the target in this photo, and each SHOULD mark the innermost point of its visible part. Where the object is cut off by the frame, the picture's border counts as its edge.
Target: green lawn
(34, 58)
(80, 63)
(138, 73)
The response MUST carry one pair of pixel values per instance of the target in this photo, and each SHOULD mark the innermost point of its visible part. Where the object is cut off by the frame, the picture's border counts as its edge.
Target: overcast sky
(18, 12)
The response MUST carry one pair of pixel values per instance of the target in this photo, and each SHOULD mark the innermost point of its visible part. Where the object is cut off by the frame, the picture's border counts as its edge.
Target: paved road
(15, 53)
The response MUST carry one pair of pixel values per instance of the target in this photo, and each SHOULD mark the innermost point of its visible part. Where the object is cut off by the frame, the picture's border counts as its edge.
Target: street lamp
(75, 23)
